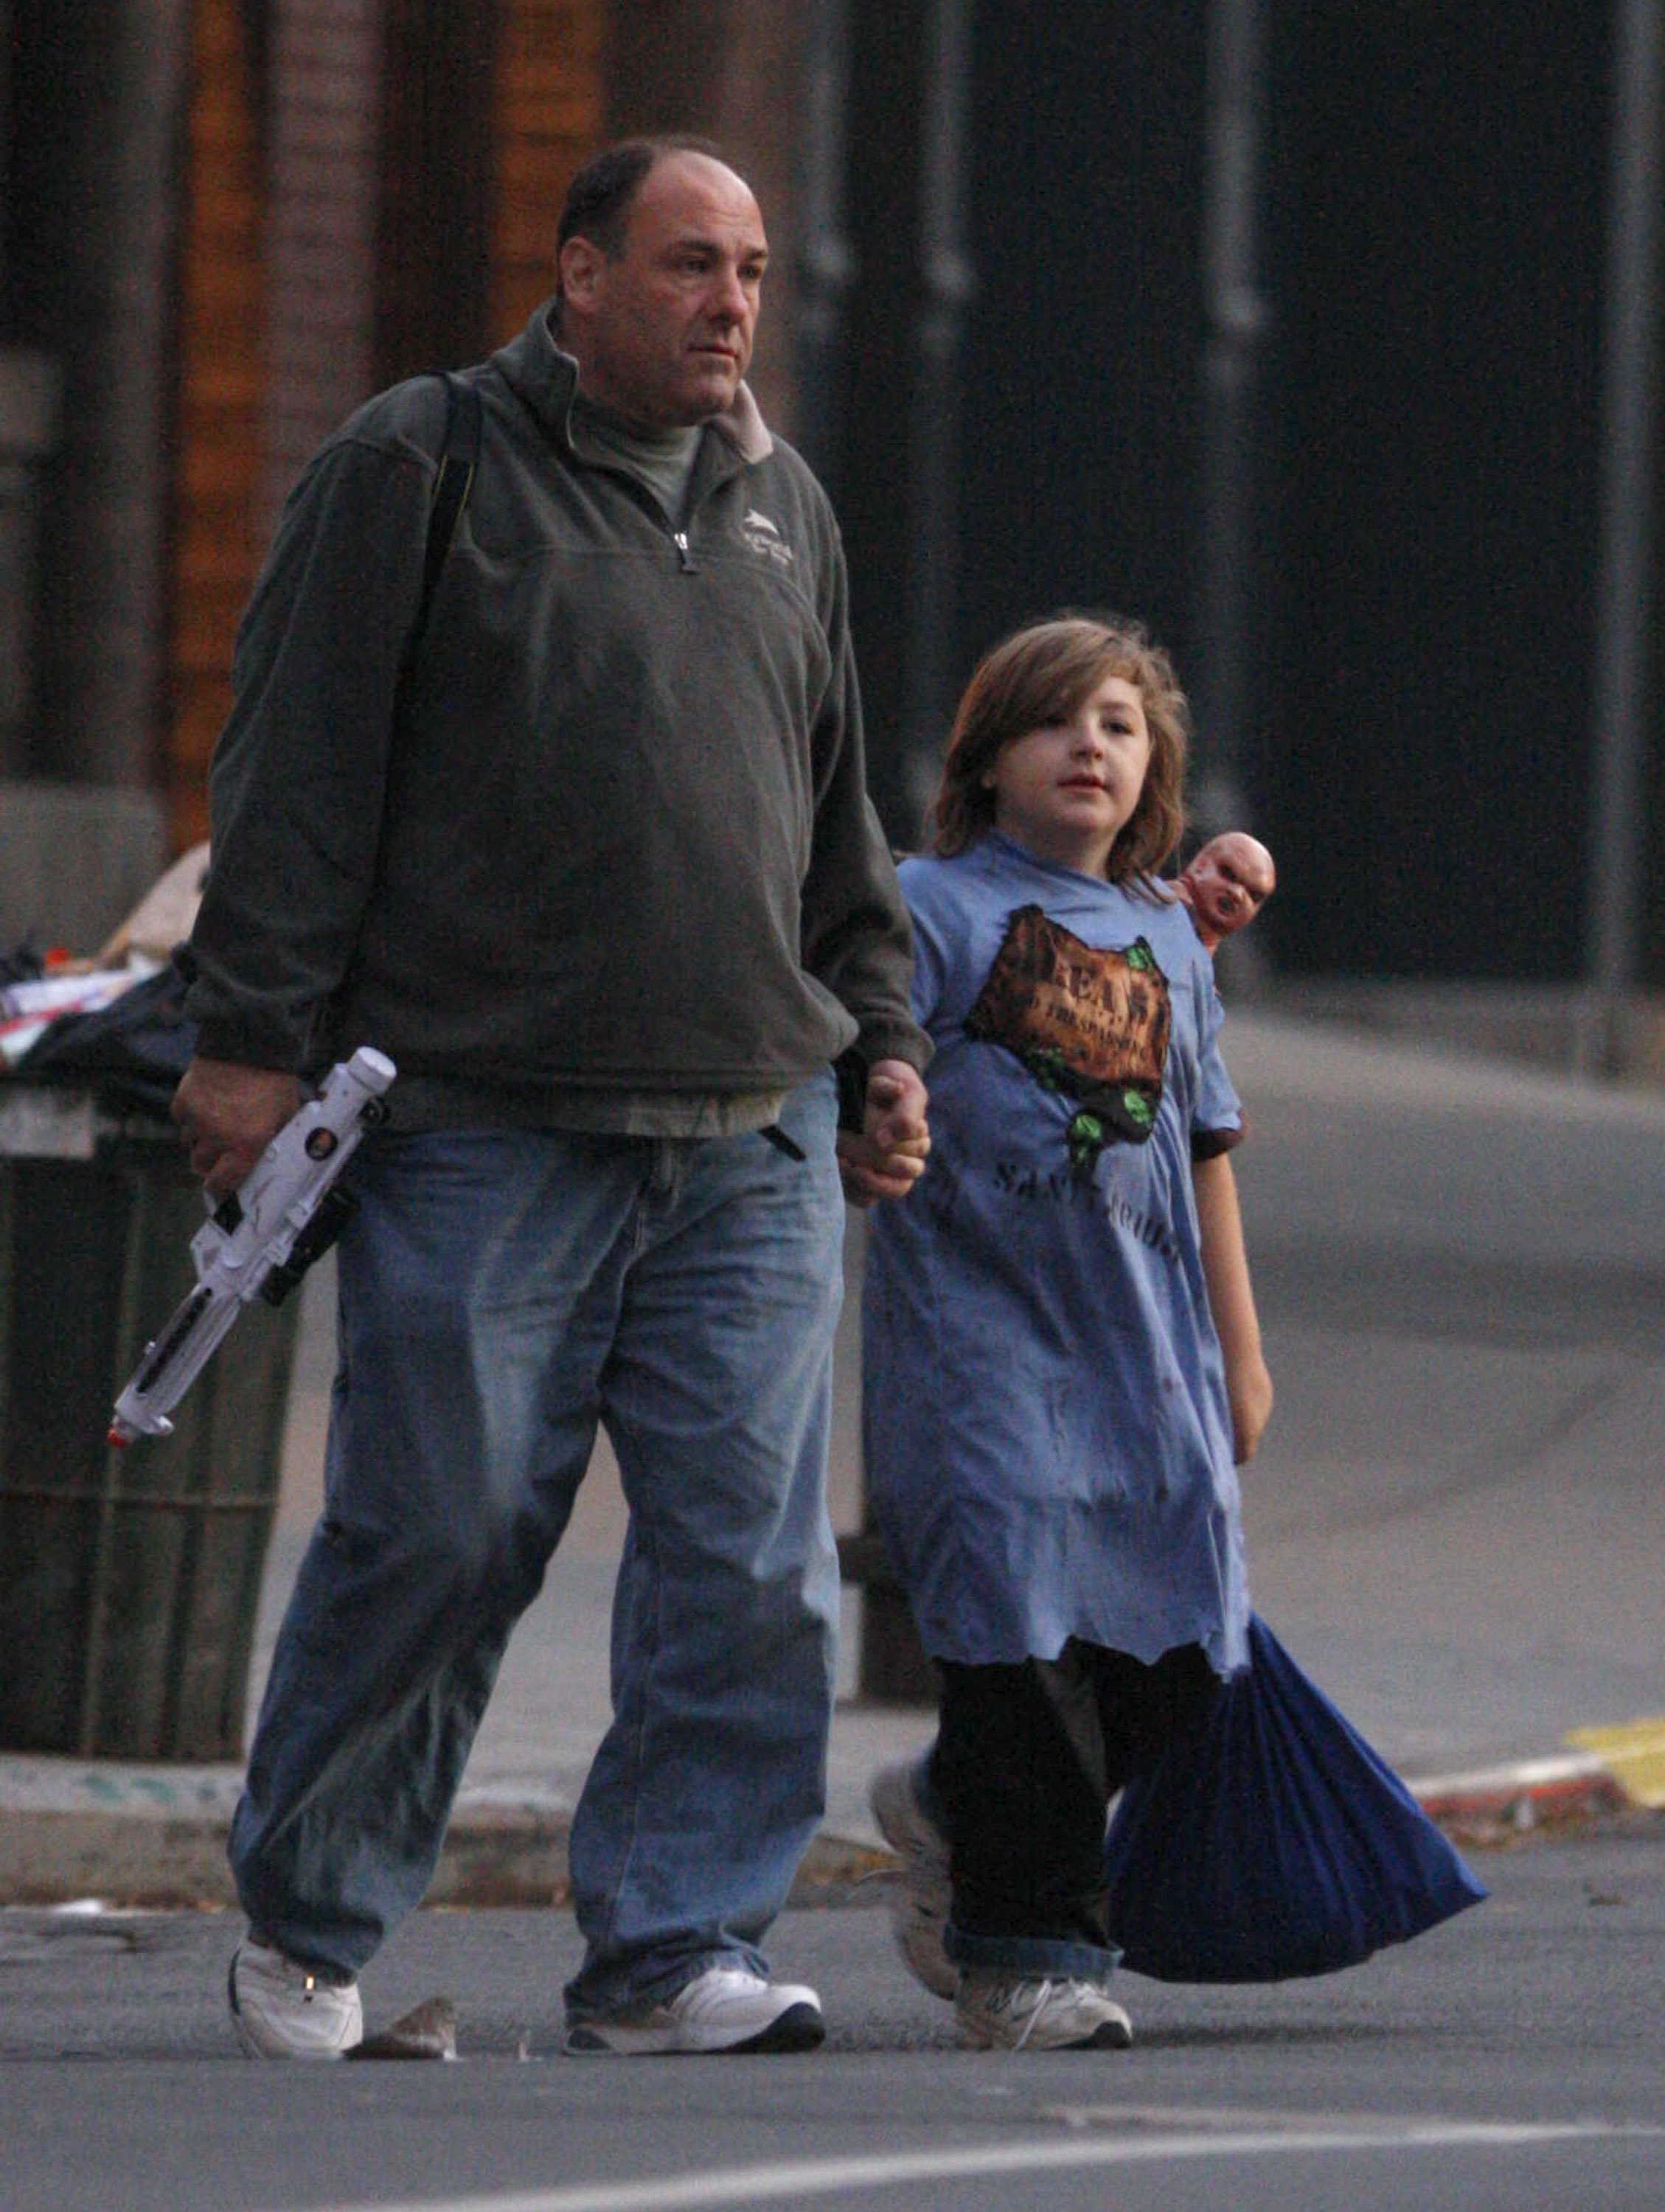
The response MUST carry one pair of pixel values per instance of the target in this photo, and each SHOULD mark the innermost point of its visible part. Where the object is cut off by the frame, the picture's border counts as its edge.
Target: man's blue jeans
(501, 1293)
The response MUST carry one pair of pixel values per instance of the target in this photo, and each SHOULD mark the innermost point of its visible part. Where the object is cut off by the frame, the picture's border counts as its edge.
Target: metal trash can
(130, 1579)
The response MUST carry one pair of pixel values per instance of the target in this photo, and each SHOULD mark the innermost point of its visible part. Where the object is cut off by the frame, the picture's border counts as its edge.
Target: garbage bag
(1271, 1841)
(21, 963)
(130, 1053)
(31, 1005)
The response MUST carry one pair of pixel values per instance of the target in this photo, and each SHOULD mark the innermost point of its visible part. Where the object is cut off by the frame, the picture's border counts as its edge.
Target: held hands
(888, 1158)
(227, 1115)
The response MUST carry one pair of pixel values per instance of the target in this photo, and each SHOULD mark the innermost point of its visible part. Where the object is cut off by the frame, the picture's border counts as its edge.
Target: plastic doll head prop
(1227, 884)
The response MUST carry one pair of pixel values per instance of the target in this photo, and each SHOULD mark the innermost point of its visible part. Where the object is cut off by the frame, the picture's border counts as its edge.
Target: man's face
(1229, 881)
(663, 334)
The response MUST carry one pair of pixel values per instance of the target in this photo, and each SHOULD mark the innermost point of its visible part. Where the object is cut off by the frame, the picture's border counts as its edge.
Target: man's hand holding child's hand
(888, 1158)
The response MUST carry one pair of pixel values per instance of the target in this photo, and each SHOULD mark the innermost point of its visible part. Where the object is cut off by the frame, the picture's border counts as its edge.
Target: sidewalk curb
(156, 1838)
(1499, 1804)
(508, 1857)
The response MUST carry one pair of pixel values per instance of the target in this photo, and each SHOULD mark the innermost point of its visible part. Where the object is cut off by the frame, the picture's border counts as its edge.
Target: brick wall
(323, 119)
(218, 425)
(548, 118)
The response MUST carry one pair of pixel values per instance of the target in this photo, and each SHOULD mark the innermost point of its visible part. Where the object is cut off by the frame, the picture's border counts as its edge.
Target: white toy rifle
(260, 1241)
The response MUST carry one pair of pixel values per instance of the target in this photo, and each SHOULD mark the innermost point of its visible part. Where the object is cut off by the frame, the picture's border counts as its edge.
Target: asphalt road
(1509, 2062)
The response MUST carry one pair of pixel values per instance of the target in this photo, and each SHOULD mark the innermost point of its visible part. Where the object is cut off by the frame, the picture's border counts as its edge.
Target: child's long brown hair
(1045, 669)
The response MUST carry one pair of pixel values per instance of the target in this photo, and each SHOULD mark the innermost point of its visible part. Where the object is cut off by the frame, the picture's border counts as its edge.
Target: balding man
(592, 861)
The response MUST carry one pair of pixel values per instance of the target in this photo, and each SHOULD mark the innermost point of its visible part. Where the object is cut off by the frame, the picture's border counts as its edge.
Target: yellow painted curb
(1633, 1753)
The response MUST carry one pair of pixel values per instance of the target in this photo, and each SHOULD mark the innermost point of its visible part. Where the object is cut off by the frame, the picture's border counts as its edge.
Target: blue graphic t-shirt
(1049, 1444)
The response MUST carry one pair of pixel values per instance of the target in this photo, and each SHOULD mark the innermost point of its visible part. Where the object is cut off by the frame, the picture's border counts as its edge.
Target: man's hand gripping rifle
(260, 1241)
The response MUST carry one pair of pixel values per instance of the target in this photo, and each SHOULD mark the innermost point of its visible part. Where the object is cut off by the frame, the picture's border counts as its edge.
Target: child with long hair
(1063, 1362)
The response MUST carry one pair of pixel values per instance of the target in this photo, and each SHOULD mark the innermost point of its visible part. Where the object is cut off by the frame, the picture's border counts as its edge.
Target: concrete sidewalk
(1452, 1525)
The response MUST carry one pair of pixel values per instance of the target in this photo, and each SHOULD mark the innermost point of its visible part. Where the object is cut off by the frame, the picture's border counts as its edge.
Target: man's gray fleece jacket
(615, 834)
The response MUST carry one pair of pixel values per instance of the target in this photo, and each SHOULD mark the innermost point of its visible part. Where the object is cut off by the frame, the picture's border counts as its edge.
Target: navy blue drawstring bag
(1270, 1841)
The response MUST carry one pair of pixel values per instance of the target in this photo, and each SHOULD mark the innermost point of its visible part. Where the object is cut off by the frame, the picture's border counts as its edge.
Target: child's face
(1067, 790)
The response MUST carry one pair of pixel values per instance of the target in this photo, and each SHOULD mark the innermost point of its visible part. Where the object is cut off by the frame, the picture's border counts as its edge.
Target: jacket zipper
(685, 561)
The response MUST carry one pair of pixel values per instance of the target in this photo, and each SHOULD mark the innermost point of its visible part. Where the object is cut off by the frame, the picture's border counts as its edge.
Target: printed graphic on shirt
(1091, 1023)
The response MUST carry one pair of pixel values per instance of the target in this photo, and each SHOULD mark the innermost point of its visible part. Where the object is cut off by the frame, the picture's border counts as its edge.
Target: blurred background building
(1325, 336)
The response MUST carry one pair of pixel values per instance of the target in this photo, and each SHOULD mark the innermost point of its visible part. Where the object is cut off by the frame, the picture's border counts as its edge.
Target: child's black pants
(1026, 1762)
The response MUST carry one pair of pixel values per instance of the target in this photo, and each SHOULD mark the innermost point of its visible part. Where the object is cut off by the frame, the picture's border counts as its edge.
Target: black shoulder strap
(458, 458)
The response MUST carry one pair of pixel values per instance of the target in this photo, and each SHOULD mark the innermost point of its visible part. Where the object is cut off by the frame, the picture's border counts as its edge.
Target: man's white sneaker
(920, 1911)
(998, 2013)
(282, 2009)
(725, 2009)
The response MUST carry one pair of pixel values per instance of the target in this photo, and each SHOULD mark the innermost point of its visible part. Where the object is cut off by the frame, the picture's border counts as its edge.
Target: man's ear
(579, 271)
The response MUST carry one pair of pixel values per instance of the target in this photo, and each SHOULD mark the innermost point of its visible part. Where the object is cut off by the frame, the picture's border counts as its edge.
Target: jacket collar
(545, 377)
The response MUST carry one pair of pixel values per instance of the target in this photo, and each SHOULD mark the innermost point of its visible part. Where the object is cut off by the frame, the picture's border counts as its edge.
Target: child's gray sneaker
(920, 1912)
(282, 2009)
(997, 2012)
(725, 2009)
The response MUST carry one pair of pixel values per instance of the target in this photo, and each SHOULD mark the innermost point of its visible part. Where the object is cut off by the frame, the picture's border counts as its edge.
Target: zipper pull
(679, 538)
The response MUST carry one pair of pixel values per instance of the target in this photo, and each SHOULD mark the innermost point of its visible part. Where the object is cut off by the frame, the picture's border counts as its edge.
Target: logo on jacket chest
(763, 537)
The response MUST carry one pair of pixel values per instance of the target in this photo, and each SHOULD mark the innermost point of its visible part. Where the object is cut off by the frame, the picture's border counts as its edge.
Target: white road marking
(777, 2184)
